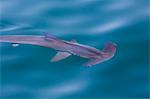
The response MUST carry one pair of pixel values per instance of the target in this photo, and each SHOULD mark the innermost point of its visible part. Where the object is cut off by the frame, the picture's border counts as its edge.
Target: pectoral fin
(93, 62)
(59, 56)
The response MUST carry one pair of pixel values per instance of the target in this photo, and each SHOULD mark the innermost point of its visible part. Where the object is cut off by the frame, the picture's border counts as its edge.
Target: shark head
(110, 48)
(106, 54)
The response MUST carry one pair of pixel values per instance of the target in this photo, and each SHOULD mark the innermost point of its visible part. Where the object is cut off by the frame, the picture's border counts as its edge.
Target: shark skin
(64, 48)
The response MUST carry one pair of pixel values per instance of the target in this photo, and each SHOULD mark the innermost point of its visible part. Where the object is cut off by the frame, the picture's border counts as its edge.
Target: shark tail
(24, 39)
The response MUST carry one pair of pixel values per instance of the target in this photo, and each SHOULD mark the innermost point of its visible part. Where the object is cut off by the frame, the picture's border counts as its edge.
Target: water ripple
(29, 73)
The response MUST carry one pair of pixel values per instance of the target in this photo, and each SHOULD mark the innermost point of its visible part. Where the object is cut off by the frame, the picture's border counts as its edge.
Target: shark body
(65, 48)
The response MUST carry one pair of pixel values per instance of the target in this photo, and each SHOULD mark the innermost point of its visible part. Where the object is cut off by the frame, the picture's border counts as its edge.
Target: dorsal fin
(48, 36)
(59, 56)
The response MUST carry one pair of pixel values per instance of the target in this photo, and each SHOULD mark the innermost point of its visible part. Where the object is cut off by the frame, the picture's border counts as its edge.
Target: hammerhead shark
(64, 48)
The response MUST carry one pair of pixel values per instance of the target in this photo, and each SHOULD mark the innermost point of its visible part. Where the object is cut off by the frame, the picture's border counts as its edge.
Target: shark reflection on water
(64, 48)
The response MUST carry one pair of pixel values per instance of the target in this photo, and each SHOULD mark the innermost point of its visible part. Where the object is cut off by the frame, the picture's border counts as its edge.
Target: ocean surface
(26, 70)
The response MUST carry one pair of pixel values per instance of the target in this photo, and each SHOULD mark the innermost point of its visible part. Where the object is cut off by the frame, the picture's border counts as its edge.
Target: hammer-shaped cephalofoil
(64, 48)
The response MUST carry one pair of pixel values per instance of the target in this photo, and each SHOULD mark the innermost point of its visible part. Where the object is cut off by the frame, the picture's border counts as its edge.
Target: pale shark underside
(65, 48)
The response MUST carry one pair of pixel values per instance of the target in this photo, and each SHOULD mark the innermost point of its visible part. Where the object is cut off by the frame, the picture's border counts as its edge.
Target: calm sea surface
(26, 71)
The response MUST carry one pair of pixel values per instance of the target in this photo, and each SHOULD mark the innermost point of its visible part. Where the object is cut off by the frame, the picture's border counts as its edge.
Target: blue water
(26, 71)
